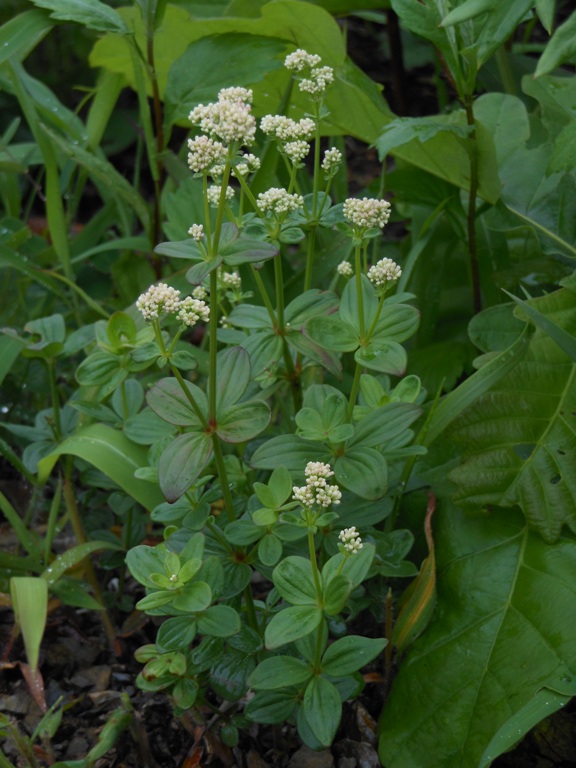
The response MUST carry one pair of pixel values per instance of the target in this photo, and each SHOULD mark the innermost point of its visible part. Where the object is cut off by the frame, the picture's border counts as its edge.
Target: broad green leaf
(205, 67)
(229, 675)
(364, 471)
(333, 333)
(354, 568)
(383, 356)
(351, 653)
(335, 593)
(21, 34)
(562, 158)
(182, 462)
(176, 634)
(30, 604)
(495, 328)
(233, 376)
(322, 709)
(384, 425)
(195, 597)
(167, 400)
(90, 13)
(519, 435)
(566, 341)
(541, 706)
(219, 621)
(561, 47)
(271, 706)
(142, 561)
(279, 672)
(110, 452)
(288, 451)
(294, 580)
(503, 630)
(244, 421)
(291, 624)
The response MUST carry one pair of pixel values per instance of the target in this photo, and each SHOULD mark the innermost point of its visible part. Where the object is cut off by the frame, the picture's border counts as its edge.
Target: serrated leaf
(521, 435)
(90, 13)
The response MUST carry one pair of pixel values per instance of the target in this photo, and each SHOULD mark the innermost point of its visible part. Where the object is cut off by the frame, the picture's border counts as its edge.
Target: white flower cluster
(300, 60)
(229, 119)
(315, 78)
(231, 280)
(384, 271)
(332, 159)
(296, 150)
(317, 490)
(345, 269)
(191, 310)
(204, 153)
(213, 194)
(285, 129)
(367, 213)
(279, 201)
(199, 292)
(163, 298)
(157, 299)
(197, 232)
(250, 163)
(351, 540)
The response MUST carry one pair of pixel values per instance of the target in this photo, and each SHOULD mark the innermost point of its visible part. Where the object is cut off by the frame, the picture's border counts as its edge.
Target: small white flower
(192, 310)
(367, 213)
(199, 292)
(157, 299)
(384, 271)
(345, 269)
(319, 79)
(229, 119)
(317, 490)
(332, 159)
(204, 153)
(285, 129)
(196, 231)
(300, 60)
(296, 150)
(279, 201)
(351, 540)
(250, 164)
(231, 280)
(213, 194)
(236, 94)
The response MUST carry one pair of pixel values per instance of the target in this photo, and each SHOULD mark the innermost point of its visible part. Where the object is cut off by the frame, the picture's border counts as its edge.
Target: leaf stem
(471, 214)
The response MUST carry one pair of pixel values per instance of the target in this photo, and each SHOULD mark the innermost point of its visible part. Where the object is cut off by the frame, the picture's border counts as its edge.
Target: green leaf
(566, 341)
(167, 400)
(476, 385)
(244, 421)
(363, 471)
(229, 676)
(90, 13)
(331, 332)
(219, 621)
(21, 34)
(322, 709)
(279, 488)
(520, 435)
(294, 580)
(279, 672)
(269, 549)
(289, 451)
(193, 598)
(110, 452)
(204, 68)
(383, 356)
(143, 560)
(350, 653)
(354, 568)
(233, 376)
(75, 555)
(291, 624)
(335, 593)
(176, 634)
(30, 603)
(271, 706)
(502, 632)
(561, 47)
(182, 462)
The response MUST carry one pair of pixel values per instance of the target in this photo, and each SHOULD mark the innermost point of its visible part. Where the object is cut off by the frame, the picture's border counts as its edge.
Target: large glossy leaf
(519, 437)
(503, 630)
(110, 452)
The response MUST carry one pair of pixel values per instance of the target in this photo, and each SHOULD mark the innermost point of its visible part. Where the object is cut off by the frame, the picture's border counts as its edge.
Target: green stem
(359, 294)
(188, 395)
(264, 296)
(223, 475)
(471, 214)
(354, 393)
(251, 609)
(55, 399)
(314, 563)
(311, 245)
(378, 313)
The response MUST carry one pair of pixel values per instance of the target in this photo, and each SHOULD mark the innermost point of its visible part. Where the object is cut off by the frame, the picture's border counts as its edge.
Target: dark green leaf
(182, 462)
(350, 653)
(279, 672)
(291, 624)
(322, 709)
